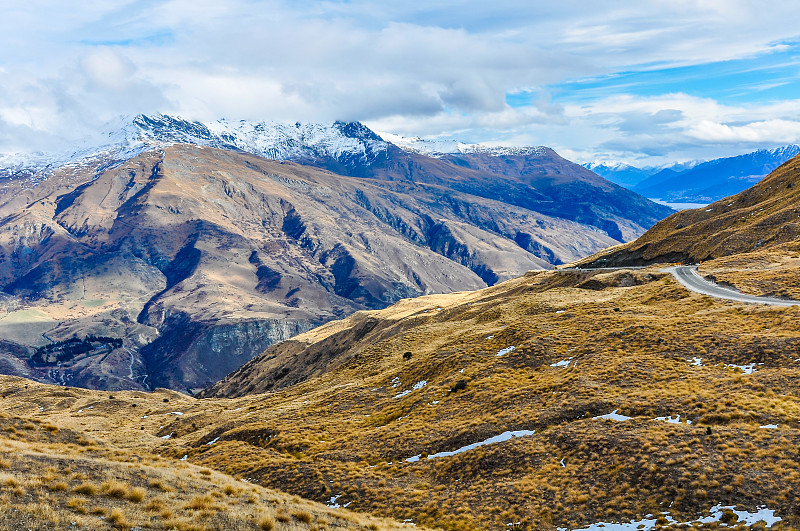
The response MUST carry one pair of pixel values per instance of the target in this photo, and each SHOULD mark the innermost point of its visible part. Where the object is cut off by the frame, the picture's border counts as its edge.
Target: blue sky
(646, 82)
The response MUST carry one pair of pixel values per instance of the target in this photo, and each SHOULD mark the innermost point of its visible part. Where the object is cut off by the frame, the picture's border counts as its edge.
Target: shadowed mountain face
(761, 217)
(198, 258)
(537, 179)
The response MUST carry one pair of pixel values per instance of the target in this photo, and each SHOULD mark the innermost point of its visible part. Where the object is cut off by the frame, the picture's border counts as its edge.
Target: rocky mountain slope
(533, 178)
(180, 239)
(761, 217)
(198, 258)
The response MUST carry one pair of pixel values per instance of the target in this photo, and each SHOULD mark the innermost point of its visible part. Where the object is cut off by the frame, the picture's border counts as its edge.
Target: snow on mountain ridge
(440, 148)
(275, 140)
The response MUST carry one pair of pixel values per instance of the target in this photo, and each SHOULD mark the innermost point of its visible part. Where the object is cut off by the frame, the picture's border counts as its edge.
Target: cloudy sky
(645, 82)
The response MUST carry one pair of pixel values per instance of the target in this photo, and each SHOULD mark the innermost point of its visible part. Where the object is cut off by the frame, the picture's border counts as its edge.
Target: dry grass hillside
(556, 400)
(761, 217)
(61, 470)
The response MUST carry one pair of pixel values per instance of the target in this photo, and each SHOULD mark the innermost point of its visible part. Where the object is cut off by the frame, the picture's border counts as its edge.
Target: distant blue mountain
(715, 179)
(697, 182)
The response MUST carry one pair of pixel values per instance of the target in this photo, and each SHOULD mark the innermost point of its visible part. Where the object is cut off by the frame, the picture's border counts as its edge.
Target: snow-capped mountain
(346, 142)
(629, 176)
(439, 148)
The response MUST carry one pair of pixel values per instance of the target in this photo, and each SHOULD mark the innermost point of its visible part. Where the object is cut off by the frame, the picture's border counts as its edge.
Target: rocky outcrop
(190, 356)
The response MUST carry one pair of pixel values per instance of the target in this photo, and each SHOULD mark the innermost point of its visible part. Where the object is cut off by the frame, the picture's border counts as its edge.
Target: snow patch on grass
(505, 436)
(614, 415)
(750, 368)
(417, 386)
(673, 420)
(503, 352)
(744, 518)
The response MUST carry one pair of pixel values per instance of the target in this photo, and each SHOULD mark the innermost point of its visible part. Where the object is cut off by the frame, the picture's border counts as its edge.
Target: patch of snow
(562, 363)
(81, 411)
(696, 362)
(750, 368)
(417, 386)
(185, 457)
(165, 437)
(612, 416)
(395, 381)
(503, 352)
(440, 147)
(144, 416)
(505, 436)
(769, 427)
(332, 503)
(745, 518)
(562, 462)
(177, 413)
(489, 337)
(209, 443)
(673, 420)
(560, 311)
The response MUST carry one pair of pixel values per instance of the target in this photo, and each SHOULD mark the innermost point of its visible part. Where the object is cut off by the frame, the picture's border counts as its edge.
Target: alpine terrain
(171, 252)
(575, 398)
(698, 182)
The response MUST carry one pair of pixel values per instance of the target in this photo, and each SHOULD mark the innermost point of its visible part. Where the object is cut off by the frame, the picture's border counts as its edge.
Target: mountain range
(568, 399)
(198, 245)
(697, 182)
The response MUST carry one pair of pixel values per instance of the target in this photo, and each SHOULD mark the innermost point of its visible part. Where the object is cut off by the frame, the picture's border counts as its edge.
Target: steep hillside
(761, 217)
(557, 400)
(534, 178)
(199, 258)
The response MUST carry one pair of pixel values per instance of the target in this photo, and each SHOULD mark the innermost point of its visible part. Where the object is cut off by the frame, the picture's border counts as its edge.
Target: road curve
(690, 279)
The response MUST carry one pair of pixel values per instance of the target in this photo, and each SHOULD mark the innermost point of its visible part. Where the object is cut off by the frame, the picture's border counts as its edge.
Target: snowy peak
(346, 143)
(440, 148)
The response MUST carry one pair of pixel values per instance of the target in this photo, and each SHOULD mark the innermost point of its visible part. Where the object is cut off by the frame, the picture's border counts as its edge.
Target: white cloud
(768, 131)
(442, 67)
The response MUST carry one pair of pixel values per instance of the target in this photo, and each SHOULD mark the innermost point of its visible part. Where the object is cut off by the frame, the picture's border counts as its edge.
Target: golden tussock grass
(631, 340)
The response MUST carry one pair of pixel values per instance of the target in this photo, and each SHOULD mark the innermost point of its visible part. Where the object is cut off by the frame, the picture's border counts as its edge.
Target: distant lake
(678, 206)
